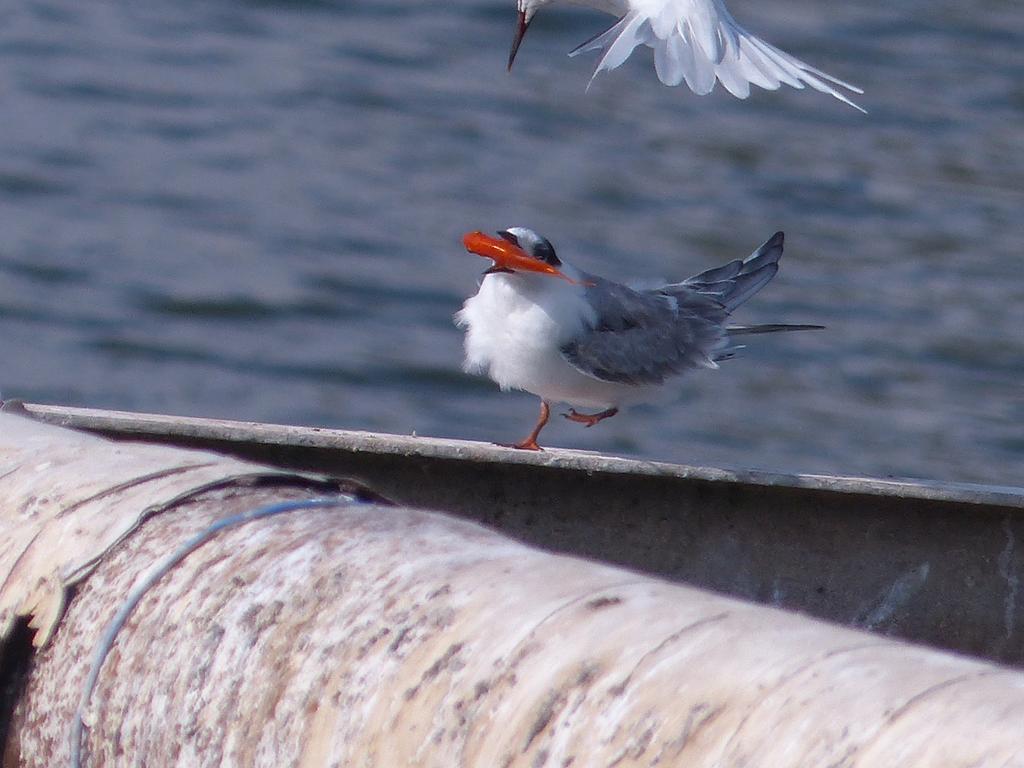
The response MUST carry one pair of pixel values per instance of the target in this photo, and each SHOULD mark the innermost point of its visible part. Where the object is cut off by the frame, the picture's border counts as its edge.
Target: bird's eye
(504, 234)
(545, 252)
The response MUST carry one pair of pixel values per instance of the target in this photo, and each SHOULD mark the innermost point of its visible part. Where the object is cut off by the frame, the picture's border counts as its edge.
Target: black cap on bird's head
(532, 244)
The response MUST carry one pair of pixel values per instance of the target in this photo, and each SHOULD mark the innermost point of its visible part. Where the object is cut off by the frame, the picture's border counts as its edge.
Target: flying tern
(693, 40)
(541, 325)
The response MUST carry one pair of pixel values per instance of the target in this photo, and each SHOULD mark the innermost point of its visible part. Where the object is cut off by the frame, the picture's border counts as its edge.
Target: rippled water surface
(252, 210)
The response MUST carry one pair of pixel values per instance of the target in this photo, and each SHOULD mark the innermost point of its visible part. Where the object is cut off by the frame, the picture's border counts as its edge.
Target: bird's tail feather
(732, 331)
(750, 330)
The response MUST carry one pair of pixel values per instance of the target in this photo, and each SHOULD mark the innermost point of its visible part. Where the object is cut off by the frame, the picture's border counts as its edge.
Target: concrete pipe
(347, 633)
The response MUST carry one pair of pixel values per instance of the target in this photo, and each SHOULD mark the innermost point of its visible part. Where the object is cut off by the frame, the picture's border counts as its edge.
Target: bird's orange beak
(508, 256)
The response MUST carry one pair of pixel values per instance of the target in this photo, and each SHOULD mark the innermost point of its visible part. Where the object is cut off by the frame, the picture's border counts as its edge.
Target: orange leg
(530, 442)
(589, 419)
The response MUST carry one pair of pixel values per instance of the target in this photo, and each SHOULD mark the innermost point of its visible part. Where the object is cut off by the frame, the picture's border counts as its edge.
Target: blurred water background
(253, 210)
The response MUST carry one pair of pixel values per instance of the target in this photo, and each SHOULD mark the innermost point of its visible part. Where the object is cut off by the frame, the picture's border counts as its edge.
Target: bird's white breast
(516, 325)
(515, 328)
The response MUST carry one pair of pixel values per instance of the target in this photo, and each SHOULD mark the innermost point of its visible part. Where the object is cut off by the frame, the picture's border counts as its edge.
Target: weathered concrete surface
(936, 563)
(379, 636)
(59, 521)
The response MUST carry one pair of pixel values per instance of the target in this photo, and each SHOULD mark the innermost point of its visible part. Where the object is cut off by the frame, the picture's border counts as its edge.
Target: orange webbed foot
(589, 419)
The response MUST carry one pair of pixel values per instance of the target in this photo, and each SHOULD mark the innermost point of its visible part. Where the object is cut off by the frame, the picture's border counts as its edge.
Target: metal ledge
(247, 436)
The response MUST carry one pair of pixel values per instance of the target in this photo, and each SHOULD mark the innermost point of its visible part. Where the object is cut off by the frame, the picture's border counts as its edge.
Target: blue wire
(135, 596)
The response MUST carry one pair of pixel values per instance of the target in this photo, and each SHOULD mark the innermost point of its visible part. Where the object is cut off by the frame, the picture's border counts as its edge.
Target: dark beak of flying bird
(522, 24)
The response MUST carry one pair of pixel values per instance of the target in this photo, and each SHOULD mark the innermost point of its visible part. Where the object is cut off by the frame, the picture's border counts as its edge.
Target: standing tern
(693, 40)
(540, 325)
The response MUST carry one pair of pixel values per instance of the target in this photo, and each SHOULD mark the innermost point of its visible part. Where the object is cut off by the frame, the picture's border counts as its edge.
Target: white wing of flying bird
(542, 326)
(696, 41)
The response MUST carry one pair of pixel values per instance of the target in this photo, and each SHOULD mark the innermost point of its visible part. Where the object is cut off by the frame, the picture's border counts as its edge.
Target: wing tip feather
(774, 66)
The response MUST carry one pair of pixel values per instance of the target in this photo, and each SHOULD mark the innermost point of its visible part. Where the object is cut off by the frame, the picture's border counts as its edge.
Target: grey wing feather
(643, 337)
(738, 280)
